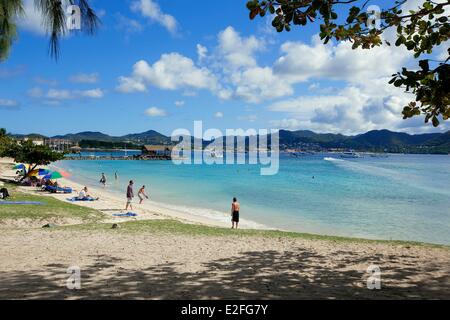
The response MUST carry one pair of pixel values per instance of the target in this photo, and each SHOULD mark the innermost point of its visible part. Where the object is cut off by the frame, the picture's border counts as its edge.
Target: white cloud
(155, 112)
(218, 115)
(179, 103)
(172, 71)
(85, 78)
(201, 52)
(8, 103)
(442, 51)
(57, 94)
(301, 62)
(234, 62)
(151, 10)
(35, 92)
(44, 81)
(93, 93)
(359, 100)
(238, 51)
(355, 109)
(32, 21)
(8, 73)
(259, 84)
(129, 85)
(127, 24)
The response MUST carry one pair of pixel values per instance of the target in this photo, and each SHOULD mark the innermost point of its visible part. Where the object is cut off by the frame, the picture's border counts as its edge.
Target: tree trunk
(31, 169)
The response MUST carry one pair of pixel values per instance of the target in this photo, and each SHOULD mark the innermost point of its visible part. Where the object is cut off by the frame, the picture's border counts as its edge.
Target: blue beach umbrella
(53, 176)
(39, 172)
(43, 172)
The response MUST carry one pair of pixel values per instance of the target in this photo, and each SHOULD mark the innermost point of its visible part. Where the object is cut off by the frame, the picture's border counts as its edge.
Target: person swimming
(103, 180)
(235, 208)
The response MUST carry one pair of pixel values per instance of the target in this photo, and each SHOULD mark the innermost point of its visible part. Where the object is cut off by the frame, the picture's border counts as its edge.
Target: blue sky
(160, 64)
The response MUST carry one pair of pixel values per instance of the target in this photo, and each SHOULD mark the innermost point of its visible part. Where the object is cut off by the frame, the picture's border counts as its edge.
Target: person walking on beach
(103, 180)
(130, 196)
(235, 208)
(142, 194)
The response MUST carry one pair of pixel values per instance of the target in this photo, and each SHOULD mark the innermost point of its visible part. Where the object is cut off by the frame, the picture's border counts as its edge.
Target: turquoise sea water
(403, 197)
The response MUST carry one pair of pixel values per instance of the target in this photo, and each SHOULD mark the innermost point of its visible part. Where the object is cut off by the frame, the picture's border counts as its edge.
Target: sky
(162, 64)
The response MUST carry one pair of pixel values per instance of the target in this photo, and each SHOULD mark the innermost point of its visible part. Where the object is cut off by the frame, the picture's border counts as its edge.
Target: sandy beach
(127, 264)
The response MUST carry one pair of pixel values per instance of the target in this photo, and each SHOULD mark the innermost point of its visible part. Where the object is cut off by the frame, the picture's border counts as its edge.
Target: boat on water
(351, 155)
(215, 155)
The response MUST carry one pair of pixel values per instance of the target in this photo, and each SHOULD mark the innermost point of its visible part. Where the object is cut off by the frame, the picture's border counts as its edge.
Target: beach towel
(129, 214)
(22, 202)
(54, 189)
(80, 200)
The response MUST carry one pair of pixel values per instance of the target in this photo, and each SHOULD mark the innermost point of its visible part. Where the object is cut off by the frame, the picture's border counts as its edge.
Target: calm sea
(403, 197)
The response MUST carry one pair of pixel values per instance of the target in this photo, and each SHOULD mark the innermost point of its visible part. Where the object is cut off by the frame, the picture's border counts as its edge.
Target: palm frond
(89, 18)
(9, 11)
(54, 20)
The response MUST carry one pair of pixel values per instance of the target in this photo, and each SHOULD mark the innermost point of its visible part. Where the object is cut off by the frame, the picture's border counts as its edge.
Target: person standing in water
(235, 208)
(103, 180)
(130, 196)
(116, 176)
(142, 194)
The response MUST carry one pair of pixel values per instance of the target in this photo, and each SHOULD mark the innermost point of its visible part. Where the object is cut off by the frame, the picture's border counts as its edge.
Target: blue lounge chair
(81, 200)
(58, 189)
(129, 214)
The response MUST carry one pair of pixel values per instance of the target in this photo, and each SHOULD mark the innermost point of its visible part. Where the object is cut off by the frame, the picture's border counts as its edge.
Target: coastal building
(60, 145)
(157, 152)
(35, 141)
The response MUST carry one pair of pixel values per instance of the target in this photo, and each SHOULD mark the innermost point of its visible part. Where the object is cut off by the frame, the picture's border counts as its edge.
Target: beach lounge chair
(76, 199)
(124, 215)
(58, 189)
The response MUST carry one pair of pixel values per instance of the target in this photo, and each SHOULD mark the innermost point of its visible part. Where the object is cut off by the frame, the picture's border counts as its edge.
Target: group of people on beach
(142, 195)
(130, 195)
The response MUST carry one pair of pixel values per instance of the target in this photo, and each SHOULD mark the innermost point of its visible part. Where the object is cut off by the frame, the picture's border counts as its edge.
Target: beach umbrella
(19, 166)
(39, 172)
(65, 174)
(53, 176)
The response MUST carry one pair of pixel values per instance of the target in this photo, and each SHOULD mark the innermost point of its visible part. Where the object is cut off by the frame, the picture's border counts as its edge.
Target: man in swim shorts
(235, 208)
(130, 196)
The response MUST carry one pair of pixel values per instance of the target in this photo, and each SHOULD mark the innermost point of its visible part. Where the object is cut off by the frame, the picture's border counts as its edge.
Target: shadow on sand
(251, 275)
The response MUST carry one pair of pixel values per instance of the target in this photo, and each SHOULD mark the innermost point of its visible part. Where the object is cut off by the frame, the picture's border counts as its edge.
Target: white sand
(115, 264)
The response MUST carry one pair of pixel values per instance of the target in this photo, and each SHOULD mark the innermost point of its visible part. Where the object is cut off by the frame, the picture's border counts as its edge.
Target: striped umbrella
(53, 176)
(39, 172)
(65, 174)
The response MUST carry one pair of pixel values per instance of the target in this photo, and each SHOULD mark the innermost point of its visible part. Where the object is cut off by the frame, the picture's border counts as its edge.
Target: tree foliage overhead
(34, 155)
(419, 31)
(53, 19)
